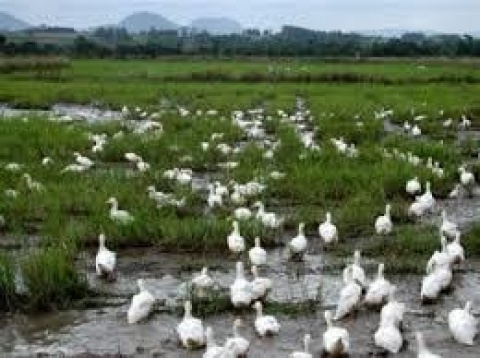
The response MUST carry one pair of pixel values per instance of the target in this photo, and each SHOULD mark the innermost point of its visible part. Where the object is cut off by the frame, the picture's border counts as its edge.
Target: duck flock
(252, 293)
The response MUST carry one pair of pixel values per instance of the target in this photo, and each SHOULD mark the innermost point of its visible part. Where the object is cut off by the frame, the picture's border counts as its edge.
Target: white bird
(105, 260)
(427, 199)
(455, 250)
(213, 350)
(455, 193)
(389, 337)
(119, 216)
(257, 255)
(214, 199)
(260, 286)
(235, 241)
(268, 219)
(203, 283)
(242, 214)
(241, 290)
(298, 245)
(11, 193)
(190, 329)
(142, 166)
(383, 224)
(448, 227)
(355, 270)
(306, 349)
(237, 346)
(142, 304)
(413, 186)
(417, 208)
(463, 324)
(132, 157)
(47, 161)
(327, 230)
(74, 168)
(423, 351)
(32, 184)
(416, 131)
(379, 289)
(83, 160)
(336, 341)
(13, 167)
(392, 313)
(349, 296)
(435, 282)
(265, 325)
(467, 179)
(440, 258)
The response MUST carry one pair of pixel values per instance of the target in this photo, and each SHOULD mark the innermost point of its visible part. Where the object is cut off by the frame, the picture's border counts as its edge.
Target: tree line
(290, 41)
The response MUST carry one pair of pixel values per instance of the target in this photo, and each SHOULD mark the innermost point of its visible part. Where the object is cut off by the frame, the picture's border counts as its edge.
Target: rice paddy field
(302, 137)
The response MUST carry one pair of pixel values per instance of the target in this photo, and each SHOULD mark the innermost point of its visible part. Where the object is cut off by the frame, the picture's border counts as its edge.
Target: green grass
(7, 283)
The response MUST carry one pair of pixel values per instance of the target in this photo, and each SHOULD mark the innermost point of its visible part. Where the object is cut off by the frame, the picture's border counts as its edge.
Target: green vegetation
(7, 283)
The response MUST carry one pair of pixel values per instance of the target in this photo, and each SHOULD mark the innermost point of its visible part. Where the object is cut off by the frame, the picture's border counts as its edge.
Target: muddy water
(104, 330)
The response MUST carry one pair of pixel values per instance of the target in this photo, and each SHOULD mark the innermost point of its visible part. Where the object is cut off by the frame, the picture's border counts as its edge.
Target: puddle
(104, 331)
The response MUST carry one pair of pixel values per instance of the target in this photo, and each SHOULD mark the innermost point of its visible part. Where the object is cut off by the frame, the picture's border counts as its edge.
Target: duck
(142, 304)
(336, 340)
(456, 250)
(46, 161)
(467, 179)
(306, 349)
(389, 338)
(349, 295)
(213, 350)
(235, 241)
(355, 269)
(241, 293)
(417, 208)
(413, 186)
(448, 227)
(379, 289)
(132, 157)
(436, 281)
(203, 283)
(74, 168)
(260, 286)
(142, 166)
(392, 313)
(265, 325)
(328, 231)
(455, 193)
(383, 224)
(105, 260)
(83, 160)
(237, 346)
(440, 258)
(190, 329)
(119, 216)
(298, 245)
(268, 219)
(214, 199)
(423, 351)
(242, 214)
(416, 131)
(257, 255)
(463, 324)
(427, 198)
(32, 184)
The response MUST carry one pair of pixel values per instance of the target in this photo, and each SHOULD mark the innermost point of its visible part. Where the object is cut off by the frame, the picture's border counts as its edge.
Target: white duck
(349, 295)
(448, 227)
(214, 199)
(119, 216)
(32, 184)
(265, 325)
(336, 341)
(416, 131)
(423, 351)
(268, 219)
(260, 286)
(235, 241)
(213, 350)
(298, 245)
(306, 349)
(142, 304)
(455, 250)
(242, 214)
(467, 179)
(388, 337)
(379, 289)
(440, 258)
(463, 325)
(82, 160)
(203, 283)
(455, 193)
(427, 199)
(190, 329)
(257, 255)
(413, 186)
(328, 231)
(356, 270)
(237, 346)
(383, 224)
(392, 313)
(241, 290)
(105, 260)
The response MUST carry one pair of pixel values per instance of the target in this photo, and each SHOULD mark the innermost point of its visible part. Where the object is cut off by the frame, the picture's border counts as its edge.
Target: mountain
(216, 25)
(11, 23)
(144, 21)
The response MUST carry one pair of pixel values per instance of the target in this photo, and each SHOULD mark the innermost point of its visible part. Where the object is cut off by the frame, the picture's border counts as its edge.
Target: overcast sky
(440, 15)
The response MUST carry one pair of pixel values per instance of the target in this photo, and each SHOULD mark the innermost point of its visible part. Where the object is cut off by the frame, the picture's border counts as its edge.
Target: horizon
(328, 15)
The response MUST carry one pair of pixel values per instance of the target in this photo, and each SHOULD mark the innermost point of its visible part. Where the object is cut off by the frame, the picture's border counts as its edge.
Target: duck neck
(101, 240)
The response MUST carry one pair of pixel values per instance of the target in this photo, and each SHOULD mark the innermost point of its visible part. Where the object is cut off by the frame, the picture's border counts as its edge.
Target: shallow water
(104, 330)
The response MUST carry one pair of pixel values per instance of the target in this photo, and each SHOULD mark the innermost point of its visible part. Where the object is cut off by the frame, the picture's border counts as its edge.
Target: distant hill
(11, 23)
(144, 21)
(216, 25)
